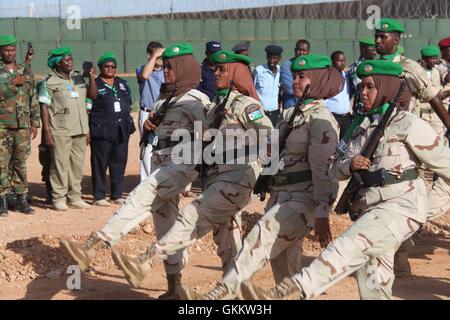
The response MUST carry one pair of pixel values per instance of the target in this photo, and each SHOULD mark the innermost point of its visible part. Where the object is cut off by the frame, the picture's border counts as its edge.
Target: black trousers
(113, 155)
(344, 121)
(273, 116)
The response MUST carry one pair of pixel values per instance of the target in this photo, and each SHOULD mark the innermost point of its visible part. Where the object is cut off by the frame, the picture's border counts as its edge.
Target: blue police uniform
(110, 126)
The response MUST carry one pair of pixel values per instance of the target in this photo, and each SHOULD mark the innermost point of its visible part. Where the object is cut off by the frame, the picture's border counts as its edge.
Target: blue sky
(104, 8)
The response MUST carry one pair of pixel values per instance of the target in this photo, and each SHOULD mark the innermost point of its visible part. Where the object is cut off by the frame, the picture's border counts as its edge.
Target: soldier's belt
(291, 178)
(407, 175)
(382, 178)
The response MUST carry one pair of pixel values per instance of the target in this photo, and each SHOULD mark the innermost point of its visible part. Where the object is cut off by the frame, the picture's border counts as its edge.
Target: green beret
(368, 42)
(107, 56)
(8, 41)
(379, 67)
(226, 56)
(310, 62)
(176, 50)
(430, 51)
(56, 55)
(389, 25)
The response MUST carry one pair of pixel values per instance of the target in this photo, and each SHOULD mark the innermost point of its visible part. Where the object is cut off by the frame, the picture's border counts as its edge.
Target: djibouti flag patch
(254, 112)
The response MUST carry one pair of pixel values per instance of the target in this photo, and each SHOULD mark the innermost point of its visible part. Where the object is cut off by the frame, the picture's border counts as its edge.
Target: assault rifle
(356, 182)
(262, 184)
(149, 135)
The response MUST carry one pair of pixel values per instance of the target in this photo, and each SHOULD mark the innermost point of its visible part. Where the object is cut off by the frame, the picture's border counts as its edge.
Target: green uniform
(68, 117)
(18, 113)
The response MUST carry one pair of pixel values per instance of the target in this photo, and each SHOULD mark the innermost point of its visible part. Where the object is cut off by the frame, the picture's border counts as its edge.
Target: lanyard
(113, 89)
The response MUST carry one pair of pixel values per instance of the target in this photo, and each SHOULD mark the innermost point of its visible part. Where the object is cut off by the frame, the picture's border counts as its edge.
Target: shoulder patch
(254, 112)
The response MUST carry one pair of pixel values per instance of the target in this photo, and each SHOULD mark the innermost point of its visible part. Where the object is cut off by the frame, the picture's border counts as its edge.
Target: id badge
(117, 106)
(74, 94)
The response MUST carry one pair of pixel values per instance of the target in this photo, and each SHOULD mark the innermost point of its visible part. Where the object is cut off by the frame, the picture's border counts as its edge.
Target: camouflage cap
(178, 49)
(430, 51)
(8, 40)
(379, 67)
(226, 56)
(310, 62)
(389, 25)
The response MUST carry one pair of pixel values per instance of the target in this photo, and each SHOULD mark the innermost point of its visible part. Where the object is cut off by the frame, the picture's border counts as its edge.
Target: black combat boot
(174, 288)
(3, 206)
(11, 200)
(22, 204)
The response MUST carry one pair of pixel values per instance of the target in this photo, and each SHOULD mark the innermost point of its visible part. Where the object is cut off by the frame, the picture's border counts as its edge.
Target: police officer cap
(176, 50)
(213, 46)
(379, 67)
(226, 56)
(389, 25)
(274, 50)
(241, 46)
(310, 62)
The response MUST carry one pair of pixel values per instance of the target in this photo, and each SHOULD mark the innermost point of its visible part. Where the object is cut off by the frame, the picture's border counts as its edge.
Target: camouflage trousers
(217, 210)
(277, 237)
(15, 148)
(367, 247)
(159, 194)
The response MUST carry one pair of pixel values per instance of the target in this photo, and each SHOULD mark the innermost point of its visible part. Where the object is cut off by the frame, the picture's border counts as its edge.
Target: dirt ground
(32, 265)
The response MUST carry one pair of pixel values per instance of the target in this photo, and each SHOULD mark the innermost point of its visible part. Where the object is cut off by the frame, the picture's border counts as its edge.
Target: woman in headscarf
(159, 193)
(110, 127)
(392, 203)
(303, 190)
(229, 180)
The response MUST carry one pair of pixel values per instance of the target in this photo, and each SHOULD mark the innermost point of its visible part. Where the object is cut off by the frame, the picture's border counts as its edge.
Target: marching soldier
(387, 37)
(19, 120)
(389, 211)
(159, 193)
(430, 56)
(302, 191)
(443, 67)
(229, 185)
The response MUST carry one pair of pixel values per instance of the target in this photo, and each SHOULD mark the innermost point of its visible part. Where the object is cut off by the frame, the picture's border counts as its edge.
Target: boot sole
(186, 293)
(130, 272)
(84, 265)
(250, 292)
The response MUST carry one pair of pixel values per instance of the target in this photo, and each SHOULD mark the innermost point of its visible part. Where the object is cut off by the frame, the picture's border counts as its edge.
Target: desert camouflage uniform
(426, 112)
(423, 90)
(388, 215)
(159, 193)
(292, 208)
(227, 191)
(18, 113)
